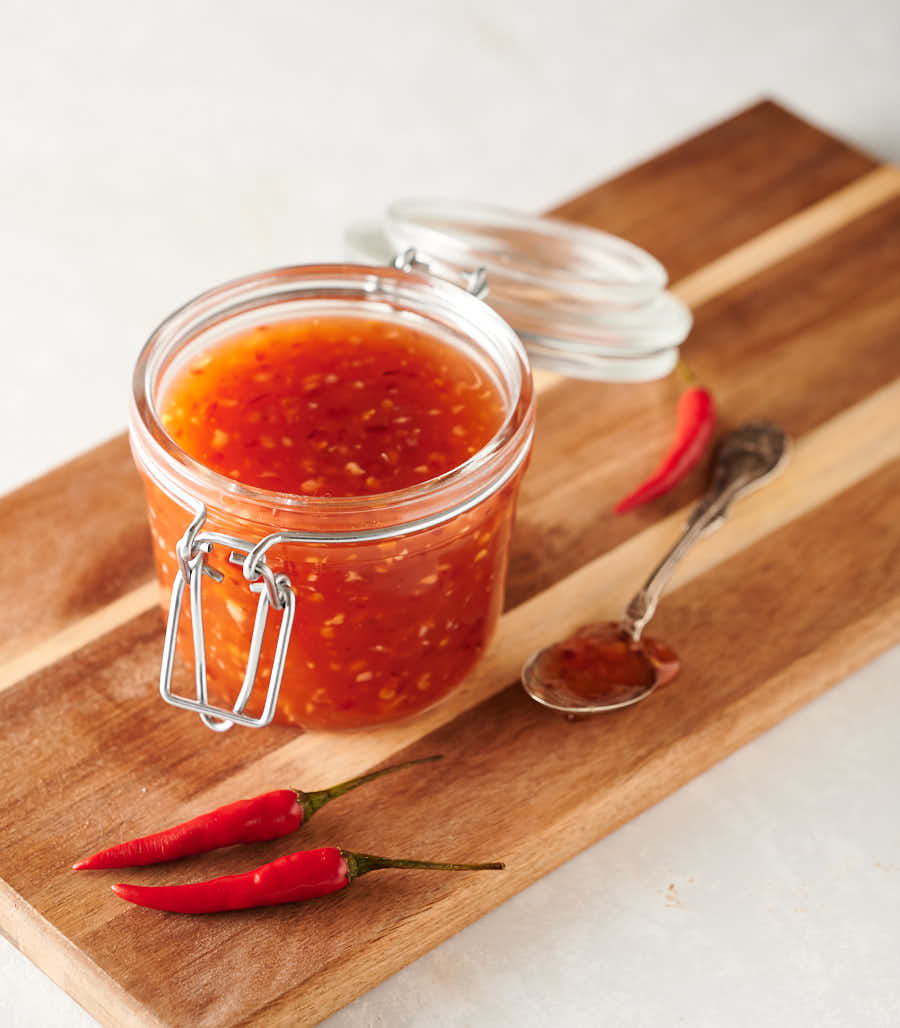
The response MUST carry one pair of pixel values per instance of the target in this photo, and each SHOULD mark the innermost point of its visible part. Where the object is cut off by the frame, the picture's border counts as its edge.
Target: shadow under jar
(396, 584)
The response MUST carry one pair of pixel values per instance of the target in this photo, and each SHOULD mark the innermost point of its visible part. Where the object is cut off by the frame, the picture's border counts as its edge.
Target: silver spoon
(746, 459)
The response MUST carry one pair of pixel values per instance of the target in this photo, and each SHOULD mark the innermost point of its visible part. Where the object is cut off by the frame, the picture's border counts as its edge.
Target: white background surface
(148, 151)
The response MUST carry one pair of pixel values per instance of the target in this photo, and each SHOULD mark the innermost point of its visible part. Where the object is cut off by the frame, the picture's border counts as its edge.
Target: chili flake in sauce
(332, 407)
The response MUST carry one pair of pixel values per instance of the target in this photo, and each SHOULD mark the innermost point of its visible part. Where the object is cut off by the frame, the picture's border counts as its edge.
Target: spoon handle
(745, 459)
(642, 605)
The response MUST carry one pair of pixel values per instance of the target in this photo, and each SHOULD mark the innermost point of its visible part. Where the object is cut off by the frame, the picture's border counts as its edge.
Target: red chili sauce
(344, 407)
(600, 663)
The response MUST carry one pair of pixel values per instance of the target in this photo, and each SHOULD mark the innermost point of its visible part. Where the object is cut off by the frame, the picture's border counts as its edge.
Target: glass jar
(353, 611)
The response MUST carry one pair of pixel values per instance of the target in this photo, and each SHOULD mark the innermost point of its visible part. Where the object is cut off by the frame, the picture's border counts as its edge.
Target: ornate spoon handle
(746, 458)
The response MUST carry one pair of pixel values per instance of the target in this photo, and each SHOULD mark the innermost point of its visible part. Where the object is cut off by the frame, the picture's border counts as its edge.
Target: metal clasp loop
(409, 260)
(274, 592)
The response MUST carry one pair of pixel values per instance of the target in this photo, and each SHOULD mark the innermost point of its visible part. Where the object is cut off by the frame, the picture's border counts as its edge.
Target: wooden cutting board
(786, 243)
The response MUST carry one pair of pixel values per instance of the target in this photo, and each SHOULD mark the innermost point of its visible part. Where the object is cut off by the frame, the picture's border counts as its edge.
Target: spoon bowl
(564, 676)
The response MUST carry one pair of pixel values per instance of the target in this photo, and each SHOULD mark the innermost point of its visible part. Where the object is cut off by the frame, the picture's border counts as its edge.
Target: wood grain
(57, 523)
(796, 281)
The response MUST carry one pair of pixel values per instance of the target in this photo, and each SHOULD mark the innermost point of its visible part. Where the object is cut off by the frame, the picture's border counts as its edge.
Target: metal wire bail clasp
(274, 591)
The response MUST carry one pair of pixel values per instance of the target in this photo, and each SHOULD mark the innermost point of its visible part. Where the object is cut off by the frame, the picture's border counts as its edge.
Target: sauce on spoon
(602, 664)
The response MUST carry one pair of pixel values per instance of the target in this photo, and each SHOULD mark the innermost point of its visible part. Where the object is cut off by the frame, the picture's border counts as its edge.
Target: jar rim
(395, 290)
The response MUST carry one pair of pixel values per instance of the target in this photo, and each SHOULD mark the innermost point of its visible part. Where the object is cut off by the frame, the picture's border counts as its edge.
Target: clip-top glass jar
(352, 610)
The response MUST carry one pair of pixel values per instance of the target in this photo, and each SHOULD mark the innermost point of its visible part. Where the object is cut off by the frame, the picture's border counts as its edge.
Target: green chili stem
(362, 863)
(687, 376)
(313, 801)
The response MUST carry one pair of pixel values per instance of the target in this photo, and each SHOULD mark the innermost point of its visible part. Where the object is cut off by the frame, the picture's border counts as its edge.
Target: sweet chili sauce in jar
(384, 417)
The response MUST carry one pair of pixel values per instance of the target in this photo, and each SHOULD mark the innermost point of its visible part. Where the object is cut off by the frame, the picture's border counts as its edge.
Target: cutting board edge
(68, 967)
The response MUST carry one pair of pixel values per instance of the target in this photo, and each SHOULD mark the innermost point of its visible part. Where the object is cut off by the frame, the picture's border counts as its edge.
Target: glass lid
(585, 303)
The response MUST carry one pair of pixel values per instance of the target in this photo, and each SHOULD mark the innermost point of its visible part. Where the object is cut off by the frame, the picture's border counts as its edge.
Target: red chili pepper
(268, 816)
(298, 876)
(693, 432)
